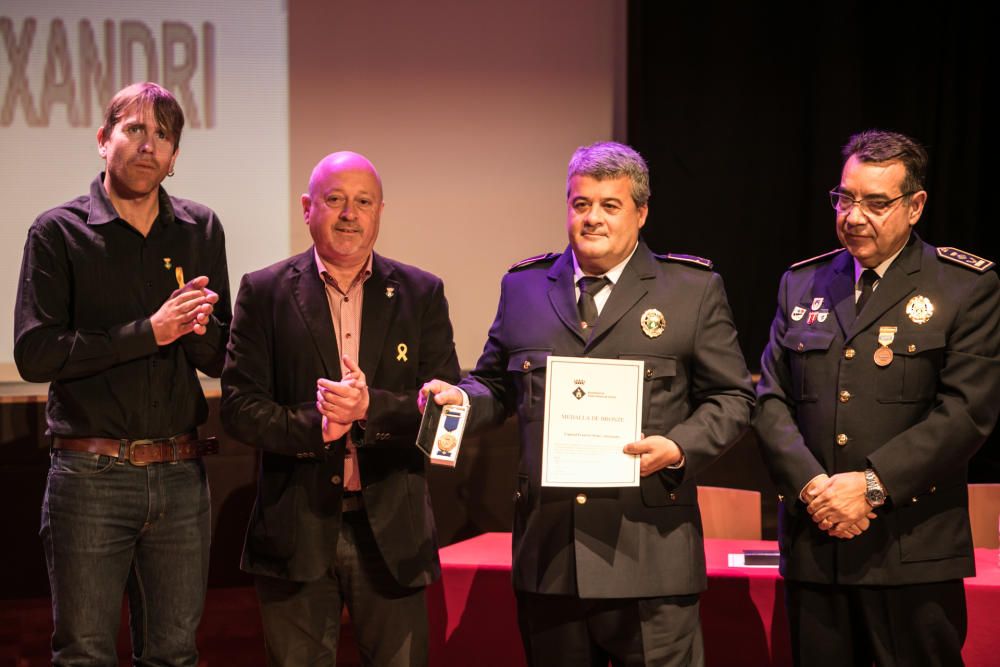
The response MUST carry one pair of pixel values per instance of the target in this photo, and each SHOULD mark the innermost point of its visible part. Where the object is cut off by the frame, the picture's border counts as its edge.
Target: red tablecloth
(473, 619)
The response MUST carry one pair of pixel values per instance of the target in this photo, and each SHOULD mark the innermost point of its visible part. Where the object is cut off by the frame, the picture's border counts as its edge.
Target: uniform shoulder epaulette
(693, 260)
(966, 259)
(533, 260)
(813, 260)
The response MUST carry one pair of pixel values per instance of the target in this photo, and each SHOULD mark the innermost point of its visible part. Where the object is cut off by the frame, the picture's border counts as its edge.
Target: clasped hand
(188, 310)
(343, 402)
(838, 505)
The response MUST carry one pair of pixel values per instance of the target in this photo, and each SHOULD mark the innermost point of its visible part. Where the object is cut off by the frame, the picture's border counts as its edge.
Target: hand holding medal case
(440, 434)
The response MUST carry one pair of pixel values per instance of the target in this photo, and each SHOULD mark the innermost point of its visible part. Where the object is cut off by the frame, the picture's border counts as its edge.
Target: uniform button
(673, 496)
(336, 479)
(911, 348)
(849, 353)
(933, 489)
(845, 396)
(781, 498)
(581, 499)
(913, 500)
(842, 439)
(801, 347)
(517, 496)
(649, 372)
(526, 365)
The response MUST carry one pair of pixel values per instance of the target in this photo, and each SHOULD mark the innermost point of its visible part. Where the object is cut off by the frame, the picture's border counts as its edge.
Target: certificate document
(593, 408)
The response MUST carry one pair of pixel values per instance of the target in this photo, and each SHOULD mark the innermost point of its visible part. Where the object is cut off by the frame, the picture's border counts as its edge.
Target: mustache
(346, 227)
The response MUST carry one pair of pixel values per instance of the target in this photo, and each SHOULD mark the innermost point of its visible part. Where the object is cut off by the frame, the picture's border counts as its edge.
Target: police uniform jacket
(621, 542)
(824, 406)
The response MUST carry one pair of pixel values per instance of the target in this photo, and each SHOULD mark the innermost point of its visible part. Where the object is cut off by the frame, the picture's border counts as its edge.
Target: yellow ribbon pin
(401, 352)
(179, 275)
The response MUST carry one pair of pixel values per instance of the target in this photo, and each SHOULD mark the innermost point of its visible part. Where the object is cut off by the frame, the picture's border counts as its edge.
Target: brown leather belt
(142, 452)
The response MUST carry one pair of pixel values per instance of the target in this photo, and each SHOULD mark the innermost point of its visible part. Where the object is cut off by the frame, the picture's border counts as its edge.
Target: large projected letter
(58, 86)
(177, 76)
(92, 72)
(18, 49)
(136, 33)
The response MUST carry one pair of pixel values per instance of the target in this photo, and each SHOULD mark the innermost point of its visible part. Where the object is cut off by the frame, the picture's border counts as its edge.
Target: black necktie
(585, 305)
(868, 280)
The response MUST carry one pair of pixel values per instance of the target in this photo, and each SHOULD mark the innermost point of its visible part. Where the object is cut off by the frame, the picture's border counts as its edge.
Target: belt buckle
(131, 451)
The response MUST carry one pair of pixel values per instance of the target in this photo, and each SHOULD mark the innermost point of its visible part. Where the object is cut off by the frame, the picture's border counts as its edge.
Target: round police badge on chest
(919, 309)
(653, 323)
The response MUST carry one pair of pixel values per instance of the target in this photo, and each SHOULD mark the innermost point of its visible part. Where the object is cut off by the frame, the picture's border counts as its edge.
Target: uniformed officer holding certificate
(612, 573)
(879, 383)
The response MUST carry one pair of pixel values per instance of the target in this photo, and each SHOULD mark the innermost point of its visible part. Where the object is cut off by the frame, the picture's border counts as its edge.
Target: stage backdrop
(469, 110)
(61, 62)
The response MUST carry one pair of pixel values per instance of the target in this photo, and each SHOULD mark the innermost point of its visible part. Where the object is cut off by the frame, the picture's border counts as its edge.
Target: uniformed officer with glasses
(878, 384)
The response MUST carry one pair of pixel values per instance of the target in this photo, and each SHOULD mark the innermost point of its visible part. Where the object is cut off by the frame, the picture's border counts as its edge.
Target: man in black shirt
(104, 314)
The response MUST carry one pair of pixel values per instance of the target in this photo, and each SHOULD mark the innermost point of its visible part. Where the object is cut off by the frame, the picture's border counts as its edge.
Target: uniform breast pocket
(527, 367)
(912, 376)
(805, 349)
(659, 374)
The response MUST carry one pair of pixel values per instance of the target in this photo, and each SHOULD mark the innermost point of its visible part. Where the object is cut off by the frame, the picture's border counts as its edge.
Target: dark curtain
(741, 110)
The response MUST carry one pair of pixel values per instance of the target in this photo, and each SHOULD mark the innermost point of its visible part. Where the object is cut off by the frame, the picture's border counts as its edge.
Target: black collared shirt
(89, 284)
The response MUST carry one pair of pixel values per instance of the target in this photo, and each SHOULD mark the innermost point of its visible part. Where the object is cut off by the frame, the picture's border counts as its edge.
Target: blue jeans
(108, 527)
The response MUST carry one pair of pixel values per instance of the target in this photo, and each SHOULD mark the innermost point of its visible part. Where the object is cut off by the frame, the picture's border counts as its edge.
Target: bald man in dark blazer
(327, 352)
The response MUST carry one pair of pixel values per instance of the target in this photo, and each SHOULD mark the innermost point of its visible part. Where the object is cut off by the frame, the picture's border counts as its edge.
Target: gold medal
(919, 309)
(653, 323)
(447, 442)
(883, 356)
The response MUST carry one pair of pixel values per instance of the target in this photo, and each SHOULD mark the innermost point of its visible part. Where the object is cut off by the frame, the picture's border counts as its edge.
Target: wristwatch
(874, 491)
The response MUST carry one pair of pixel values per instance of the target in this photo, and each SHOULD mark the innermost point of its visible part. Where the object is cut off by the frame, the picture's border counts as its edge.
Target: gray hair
(609, 159)
(884, 146)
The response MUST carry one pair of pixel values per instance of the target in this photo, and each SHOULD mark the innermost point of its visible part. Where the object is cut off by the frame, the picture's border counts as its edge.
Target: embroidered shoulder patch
(693, 260)
(533, 260)
(817, 258)
(966, 259)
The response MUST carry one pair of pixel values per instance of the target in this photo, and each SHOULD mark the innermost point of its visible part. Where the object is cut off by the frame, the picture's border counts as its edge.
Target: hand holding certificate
(593, 408)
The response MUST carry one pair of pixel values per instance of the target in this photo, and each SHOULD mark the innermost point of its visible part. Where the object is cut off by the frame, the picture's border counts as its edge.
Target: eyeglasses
(873, 206)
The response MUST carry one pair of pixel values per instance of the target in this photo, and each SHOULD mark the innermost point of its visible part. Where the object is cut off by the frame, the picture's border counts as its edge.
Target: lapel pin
(390, 292)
